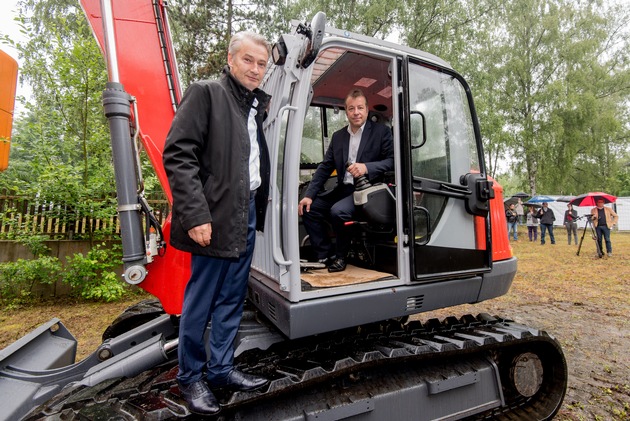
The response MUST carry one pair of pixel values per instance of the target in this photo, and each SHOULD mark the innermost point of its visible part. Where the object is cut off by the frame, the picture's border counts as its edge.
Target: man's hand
(201, 234)
(357, 169)
(306, 202)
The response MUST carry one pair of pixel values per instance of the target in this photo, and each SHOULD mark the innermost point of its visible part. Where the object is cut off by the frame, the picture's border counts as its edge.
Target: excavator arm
(137, 46)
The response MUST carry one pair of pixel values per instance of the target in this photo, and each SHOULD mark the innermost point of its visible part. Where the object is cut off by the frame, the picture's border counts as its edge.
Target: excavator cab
(421, 239)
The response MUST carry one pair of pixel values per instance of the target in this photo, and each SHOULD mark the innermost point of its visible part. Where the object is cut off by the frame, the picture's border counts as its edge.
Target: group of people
(602, 217)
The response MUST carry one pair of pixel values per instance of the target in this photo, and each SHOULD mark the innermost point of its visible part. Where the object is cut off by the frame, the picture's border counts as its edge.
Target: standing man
(570, 222)
(604, 220)
(546, 217)
(512, 221)
(367, 148)
(217, 163)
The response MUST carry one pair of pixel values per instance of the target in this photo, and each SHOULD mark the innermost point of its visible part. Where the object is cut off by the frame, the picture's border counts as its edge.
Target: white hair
(237, 40)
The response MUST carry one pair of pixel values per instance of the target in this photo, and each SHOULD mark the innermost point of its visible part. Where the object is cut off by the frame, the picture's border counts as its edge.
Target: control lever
(361, 182)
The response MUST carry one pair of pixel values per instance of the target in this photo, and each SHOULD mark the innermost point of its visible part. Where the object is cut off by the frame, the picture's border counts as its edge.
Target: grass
(582, 300)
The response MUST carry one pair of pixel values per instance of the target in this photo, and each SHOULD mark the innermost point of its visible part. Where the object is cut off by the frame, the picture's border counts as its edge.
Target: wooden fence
(63, 221)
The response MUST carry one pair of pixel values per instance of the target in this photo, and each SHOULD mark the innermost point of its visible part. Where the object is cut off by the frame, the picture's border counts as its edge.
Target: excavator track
(351, 372)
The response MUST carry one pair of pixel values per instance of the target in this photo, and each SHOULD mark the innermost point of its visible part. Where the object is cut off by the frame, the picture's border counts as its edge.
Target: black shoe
(339, 265)
(240, 381)
(328, 260)
(199, 398)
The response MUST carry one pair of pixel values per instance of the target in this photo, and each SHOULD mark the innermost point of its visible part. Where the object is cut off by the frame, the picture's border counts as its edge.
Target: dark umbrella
(540, 199)
(521, 194)
(509, 201)
(591, 198)
(565, 198)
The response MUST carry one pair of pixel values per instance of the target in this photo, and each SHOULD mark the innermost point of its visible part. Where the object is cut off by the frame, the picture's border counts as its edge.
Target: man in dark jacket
(217, 163)
(368, 148)
(546, 217)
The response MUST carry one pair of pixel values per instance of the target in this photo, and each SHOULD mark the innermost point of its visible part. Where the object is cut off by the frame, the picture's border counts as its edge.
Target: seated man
(368, 149)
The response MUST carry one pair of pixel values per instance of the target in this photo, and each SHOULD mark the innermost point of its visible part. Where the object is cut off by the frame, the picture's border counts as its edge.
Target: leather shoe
(338, 265)
(199, 398)
(328, 260)
(240, 381)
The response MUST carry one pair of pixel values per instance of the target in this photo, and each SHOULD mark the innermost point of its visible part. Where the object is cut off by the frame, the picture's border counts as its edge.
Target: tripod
(587, 225)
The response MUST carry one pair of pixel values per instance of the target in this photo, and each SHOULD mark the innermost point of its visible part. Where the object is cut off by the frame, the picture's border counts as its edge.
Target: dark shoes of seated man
(200, 398)
(334, 264)
(338, 265)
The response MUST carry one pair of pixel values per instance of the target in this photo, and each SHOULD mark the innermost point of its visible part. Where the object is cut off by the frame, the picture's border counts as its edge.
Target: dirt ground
(581, 300)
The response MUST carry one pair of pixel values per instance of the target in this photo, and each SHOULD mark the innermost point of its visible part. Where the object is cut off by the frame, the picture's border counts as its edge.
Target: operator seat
(375, 206)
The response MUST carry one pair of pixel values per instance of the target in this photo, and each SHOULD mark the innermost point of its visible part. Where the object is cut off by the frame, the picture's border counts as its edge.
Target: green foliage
(60, 149)
(17, 279)
(35, 244)
(91, 275)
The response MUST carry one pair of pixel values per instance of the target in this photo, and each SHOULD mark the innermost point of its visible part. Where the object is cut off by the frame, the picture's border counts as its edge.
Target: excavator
(8, 85)
(335, 346)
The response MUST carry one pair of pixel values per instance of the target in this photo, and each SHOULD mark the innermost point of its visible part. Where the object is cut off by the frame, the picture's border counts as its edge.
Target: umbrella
(513, 200)
(536, 205)
(540, 199)
(591, 198)
(521, 194)
(565, 198)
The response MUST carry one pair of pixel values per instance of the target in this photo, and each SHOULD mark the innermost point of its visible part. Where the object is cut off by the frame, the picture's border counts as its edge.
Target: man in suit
(368, 149)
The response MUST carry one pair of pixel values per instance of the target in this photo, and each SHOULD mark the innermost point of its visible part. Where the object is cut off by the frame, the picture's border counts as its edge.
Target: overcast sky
(8, 10)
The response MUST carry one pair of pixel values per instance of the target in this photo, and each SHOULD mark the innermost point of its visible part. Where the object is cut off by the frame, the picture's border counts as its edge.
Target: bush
(91, 275)
(18, 278)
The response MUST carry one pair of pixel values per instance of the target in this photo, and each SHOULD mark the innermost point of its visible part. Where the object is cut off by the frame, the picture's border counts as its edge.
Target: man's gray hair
(237, 40)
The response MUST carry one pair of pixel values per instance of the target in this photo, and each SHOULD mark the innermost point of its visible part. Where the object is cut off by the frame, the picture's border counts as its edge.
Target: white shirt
(254, 152)
(355, 141)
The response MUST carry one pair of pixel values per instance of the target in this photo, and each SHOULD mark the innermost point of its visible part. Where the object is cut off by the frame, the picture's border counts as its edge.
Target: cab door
(447, 192)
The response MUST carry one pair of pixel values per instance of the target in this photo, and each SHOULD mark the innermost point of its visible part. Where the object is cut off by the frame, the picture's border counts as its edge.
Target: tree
(61, 149)
(554, 91)
(202, 30)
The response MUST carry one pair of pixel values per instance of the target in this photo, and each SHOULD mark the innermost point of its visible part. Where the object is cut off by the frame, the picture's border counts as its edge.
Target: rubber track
(301, 363)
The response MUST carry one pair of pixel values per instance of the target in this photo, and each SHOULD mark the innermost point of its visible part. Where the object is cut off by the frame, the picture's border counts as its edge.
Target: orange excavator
(8, 83)
(334, 345)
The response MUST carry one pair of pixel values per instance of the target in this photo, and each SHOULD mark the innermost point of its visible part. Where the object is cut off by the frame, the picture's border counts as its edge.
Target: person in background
(546, 217)
(570, 222)
(512, 221)
(520, 211)
(218, 167)
(604, 219)
(532, 224)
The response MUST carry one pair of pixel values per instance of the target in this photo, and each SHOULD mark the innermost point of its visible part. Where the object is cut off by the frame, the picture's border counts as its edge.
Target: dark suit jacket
(376, 151)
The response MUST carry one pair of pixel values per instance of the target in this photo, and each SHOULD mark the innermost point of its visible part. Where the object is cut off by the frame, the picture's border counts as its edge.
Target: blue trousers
(215, 293)
(604, 232)
(513, 228)
(337, 207)
(543, 228)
